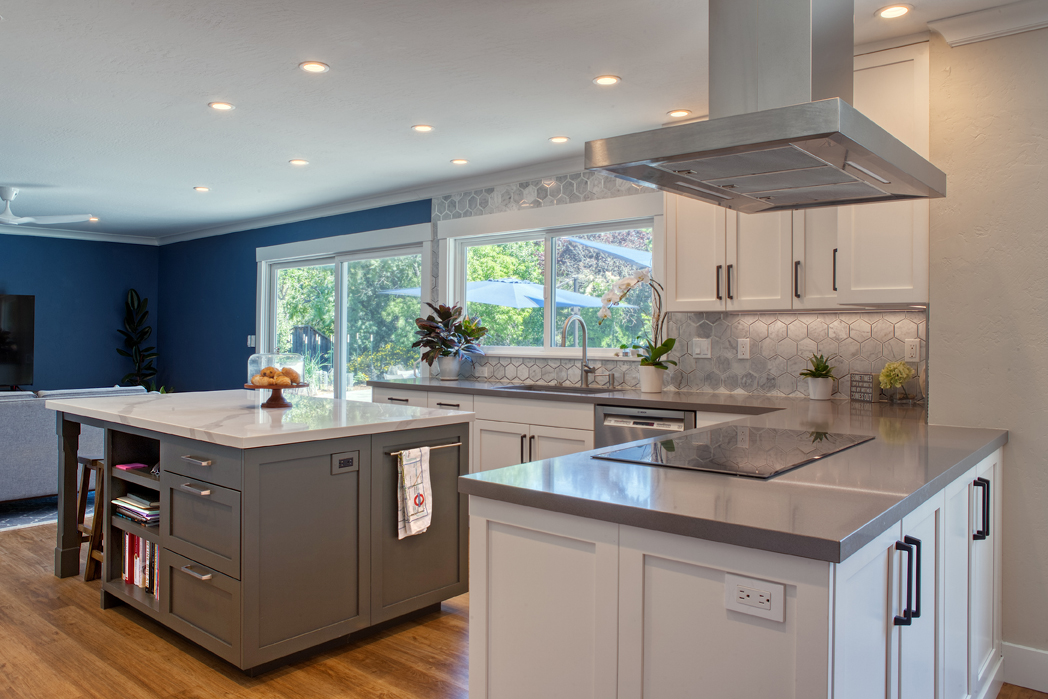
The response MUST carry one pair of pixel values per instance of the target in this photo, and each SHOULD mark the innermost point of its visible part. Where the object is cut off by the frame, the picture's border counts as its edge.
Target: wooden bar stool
(93, 533)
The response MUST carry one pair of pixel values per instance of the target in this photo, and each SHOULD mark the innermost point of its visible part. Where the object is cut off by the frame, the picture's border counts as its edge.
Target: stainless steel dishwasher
(615, 424)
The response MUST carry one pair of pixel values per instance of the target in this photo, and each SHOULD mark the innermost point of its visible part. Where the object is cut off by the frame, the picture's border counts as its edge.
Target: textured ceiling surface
(105, 110)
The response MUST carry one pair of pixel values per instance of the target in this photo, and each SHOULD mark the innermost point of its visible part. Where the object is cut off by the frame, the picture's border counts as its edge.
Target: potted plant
(653, 351)
(893, 376)
(448, 336)
(820, 377)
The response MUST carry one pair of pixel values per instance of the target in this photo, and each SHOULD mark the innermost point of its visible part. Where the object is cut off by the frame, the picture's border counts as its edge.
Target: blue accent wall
(80, 287)
(207, 293)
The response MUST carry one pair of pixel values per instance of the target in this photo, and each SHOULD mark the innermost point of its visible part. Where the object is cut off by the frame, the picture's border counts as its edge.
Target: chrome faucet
(586, 368)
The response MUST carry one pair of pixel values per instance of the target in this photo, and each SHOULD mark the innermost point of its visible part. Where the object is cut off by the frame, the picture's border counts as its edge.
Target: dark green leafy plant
(820, 367)
(652, 355)
(136, 332)
(449, 333)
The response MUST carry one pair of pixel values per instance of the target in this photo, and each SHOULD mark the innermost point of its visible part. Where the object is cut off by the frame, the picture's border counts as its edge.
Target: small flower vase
(651, 379)
(820, 389)
(448, 368)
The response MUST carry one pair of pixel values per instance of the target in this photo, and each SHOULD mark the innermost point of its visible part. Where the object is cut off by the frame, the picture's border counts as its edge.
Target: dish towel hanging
(414, 492)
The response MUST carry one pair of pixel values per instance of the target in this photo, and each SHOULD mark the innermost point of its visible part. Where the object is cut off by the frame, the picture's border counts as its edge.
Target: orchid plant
(653, 351)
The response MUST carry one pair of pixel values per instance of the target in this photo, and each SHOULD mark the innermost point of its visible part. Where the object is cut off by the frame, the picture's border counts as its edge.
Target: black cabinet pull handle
(796, 278)
(720, 268)
(397, 400)
(916, 543)
(835, 269)
(531, 448)
(523, 440)
(449, 405)
(907, 614)
(730, 297)
(984, 531)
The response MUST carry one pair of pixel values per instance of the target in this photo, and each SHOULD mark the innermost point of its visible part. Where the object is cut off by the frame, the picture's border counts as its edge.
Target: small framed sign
(862, 387)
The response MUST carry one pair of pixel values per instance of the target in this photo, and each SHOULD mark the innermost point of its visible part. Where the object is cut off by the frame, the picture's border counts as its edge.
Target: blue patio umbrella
(641, 258)
(514, 293)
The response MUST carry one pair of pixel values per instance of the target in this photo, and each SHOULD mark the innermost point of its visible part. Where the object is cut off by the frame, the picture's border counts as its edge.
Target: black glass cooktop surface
(754, 452)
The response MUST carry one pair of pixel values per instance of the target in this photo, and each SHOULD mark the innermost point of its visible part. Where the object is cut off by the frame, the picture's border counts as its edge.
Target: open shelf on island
(148, 533)
(134, 595)
(139, 477)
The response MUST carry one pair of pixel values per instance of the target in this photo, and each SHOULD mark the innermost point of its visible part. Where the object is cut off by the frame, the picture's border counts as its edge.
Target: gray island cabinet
(278, 528)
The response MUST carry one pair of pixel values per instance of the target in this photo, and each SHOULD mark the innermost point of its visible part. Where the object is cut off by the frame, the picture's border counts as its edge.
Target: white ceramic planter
(820, 389)
(651, 379)
(449, 368)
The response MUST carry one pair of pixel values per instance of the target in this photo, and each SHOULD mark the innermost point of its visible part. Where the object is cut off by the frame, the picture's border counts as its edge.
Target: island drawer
(202, 604)
(202, 521)
(212, 463)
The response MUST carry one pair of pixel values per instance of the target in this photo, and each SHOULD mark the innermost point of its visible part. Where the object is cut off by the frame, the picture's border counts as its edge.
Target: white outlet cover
(744, 348)
(913, 350)
(700, 348)
(775, 591)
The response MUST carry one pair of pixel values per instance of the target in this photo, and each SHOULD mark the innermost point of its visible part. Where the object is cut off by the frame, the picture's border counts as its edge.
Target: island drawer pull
(916, 543)
(199, 576)
(983, 531)
(397, 400)
(190, 488)
(195, 460)
(449, 405)
(439, 446)
(907, 614)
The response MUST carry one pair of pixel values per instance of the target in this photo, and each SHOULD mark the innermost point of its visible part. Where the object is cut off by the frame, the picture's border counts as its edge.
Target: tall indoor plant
(654, 350)
(448, 336)
(135, 333)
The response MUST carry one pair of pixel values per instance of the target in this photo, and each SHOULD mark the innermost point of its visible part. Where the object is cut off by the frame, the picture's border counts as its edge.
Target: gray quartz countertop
(826, 510)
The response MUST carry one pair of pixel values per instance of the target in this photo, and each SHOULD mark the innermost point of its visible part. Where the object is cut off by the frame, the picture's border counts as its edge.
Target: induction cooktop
(737, 450)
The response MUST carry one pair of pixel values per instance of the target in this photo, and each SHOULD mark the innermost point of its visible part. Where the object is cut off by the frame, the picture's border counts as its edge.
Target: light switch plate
(759, 598)
(700, 348)
(250, 340)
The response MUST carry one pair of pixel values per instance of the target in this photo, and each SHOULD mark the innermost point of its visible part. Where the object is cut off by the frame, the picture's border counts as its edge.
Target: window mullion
(549, 332)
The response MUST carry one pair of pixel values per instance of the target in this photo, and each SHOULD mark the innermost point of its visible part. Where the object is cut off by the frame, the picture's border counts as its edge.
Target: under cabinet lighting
(893, 11)
(606, 79)
(221, 106)
(314, 67)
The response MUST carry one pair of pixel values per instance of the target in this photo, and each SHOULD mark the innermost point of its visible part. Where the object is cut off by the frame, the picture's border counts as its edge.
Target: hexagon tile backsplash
(781, 343)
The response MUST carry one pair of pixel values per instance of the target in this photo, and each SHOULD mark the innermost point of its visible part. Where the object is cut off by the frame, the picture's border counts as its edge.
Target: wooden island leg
(67, 550)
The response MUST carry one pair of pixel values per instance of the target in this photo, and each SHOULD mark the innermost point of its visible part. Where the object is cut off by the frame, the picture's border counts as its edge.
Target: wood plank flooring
(56, 642)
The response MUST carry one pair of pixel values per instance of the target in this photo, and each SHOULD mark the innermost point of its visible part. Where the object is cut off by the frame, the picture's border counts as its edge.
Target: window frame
(456, 278)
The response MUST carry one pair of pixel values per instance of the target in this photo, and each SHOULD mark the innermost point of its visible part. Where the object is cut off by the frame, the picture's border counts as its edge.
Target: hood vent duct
(782, 132)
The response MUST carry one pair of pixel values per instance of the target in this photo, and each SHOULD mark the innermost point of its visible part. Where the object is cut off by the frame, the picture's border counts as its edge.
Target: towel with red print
(414, 492)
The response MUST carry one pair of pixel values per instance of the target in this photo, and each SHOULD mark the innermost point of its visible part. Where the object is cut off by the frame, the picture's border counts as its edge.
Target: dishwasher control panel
(644, 423)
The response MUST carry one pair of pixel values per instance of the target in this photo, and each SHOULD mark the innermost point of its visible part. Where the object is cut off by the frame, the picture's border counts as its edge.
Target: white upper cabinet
(865, 255)
(883, 248)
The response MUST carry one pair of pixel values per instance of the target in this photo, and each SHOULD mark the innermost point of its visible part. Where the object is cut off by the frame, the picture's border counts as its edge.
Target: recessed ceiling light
(298, 161)
(606, 79)
(459, 161)
(422, 128)
(93, 219)
(221, 106)
(202, 189)
(314, 67)
(893, 11)
(559, 139)
(678, 113)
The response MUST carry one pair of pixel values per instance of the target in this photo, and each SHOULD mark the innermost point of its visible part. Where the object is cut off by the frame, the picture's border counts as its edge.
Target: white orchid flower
(625, 284)
(610, 298)
(644, 275)
(603, 314)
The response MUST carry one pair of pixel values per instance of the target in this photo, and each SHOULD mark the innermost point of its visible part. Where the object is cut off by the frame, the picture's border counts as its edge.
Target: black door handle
(531, 448)
(907, 614)
(730, 297)
(835, 269)
(523, 439)
(720, 268)
(796, 278)
(917, 545)
(984, 531)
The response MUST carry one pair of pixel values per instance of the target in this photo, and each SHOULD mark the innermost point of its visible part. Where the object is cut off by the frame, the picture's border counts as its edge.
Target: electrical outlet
(250, 340)
(700, 348)
(742, 440)
(759, 598)
(913, 350)
(744, 348)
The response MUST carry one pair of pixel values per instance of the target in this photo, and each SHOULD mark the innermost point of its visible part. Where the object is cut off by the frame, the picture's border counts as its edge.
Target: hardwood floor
(56, 642)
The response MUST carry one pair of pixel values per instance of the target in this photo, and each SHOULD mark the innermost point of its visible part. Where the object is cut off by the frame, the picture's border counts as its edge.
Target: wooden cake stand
(277, 399)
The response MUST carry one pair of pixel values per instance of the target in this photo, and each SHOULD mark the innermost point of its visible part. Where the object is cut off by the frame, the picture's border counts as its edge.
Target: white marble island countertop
(236, 418)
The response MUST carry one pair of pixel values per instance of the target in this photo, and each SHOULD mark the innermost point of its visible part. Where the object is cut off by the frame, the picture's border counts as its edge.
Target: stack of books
(137, 509)
(141, 564)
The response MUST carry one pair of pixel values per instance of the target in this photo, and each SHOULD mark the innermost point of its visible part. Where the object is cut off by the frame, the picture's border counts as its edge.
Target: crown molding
(893, 43)
(78, 235)
(553, 168)
(1013, 18)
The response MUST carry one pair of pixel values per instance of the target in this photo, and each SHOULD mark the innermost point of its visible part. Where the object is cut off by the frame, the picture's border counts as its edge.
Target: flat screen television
(17, 318)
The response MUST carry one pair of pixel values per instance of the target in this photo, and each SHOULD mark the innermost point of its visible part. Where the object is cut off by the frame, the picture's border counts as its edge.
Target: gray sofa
(29, 441)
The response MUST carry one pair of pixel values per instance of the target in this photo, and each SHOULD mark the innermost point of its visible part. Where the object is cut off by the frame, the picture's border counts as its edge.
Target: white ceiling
(105, 107)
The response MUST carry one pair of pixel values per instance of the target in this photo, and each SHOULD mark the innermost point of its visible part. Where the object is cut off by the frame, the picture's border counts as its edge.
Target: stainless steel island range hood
(782, 133)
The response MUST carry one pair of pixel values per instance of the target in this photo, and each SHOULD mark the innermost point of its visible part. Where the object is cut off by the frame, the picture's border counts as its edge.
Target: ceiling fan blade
(72, 218)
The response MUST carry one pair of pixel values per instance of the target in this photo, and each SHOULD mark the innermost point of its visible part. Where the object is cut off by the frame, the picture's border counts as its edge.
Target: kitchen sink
(544, 388)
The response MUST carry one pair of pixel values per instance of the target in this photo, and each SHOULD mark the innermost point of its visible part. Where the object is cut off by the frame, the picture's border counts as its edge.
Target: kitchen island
(874, 572)
(278, 527)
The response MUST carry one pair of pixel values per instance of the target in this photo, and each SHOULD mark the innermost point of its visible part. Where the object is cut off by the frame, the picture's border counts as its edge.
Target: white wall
(988, 312)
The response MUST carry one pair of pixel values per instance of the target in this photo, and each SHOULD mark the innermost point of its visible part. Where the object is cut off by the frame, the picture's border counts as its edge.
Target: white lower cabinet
(609, 610)
(499, 444)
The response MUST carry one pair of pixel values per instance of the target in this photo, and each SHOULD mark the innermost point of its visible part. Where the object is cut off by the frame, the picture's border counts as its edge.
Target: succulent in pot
(447, 336)
(820, 377)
